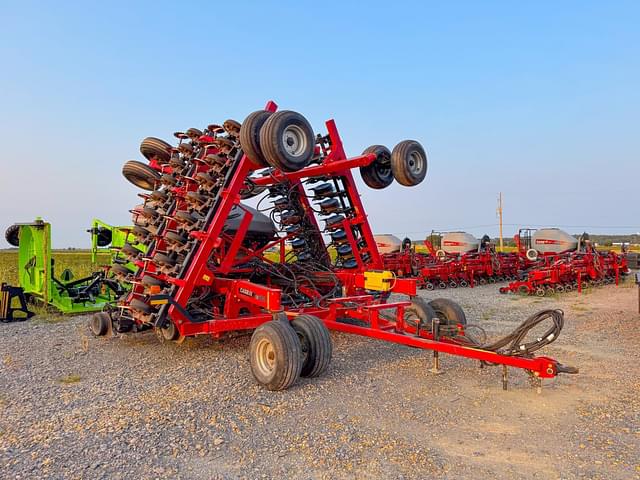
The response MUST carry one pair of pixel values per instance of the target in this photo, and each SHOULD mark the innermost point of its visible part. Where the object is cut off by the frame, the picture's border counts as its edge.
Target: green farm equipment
(40, 281)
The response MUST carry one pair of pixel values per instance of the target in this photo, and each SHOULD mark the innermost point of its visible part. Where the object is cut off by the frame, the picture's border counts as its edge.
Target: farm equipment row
(570, 271)
(550, 260)
(213, 265)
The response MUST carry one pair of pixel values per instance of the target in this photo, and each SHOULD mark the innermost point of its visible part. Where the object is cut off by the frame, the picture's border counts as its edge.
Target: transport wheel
(315, 344)
(453, 284)
(287, 141)
(464, 283)
(275, 355)
(442, 285)
(140, 174)
(99, 323)
(482, 281)
(250, 137)
(12, 235)
(560, 289)
(378, 173)
(540, 292)
(429, 286)
(568, 287)
(448, 311)
(152, 147)
(492, 280)
(409, 163)
(419, 312)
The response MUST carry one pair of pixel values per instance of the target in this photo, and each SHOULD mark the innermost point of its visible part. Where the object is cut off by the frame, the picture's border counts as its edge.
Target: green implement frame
(37, 275)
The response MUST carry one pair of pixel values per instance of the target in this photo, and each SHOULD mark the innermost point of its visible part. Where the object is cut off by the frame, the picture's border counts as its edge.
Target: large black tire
(12, 235)
(448, 311)
(315, 343)
(250, 137)
(287, 141)
(99, 323)
(419, 311)
(152, 147)
(378, 173)
(141, 175)
(275, 355)
(409, 163)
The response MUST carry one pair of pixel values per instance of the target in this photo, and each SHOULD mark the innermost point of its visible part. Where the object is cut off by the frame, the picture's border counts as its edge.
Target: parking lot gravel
(75, 406)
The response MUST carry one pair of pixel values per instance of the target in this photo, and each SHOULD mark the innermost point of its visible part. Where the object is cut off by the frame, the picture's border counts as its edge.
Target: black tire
(140, 306)
(152, 147)
(290, 154)
(103, 237)
(121, 270)
(162, 259)
(140, 174)
(378, 174)
(409, 163)
(149, 281)
(419, 311)
(448, 311)
(130, 250)
(176, 238)
(12, 235)
(275, 355)
(99, 323)
(170, 332)
(315, 344)
(250, 137)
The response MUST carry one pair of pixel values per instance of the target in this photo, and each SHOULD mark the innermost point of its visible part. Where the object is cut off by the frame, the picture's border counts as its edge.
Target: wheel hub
(294, 140)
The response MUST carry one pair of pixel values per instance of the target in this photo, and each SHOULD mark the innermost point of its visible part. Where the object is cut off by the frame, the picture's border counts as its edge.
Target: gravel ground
(74, 406)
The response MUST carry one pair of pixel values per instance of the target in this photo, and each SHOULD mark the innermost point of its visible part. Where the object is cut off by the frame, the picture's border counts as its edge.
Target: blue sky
(539, 101)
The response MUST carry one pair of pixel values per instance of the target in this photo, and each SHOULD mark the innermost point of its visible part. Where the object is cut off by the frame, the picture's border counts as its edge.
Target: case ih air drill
(302, 262)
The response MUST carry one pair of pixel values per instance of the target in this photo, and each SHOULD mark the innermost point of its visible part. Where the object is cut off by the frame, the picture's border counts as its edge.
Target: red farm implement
(440, 269)
(301, 262)
(550, 268)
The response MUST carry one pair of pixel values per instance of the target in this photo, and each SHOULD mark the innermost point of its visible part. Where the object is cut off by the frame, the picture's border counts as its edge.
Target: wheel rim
(294, 140)
(416, 163)
(265, 357)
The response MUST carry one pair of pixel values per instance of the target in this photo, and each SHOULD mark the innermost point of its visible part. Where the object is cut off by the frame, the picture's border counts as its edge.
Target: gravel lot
(74, 406)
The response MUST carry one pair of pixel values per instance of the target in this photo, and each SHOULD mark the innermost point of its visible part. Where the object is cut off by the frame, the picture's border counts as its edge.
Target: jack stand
(435, 328)
(504, 377)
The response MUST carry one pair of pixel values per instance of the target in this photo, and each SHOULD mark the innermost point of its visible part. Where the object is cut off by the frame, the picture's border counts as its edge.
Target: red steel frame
(264, 302)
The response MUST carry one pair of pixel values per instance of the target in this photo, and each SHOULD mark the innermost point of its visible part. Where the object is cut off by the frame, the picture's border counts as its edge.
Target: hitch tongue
(567, 369)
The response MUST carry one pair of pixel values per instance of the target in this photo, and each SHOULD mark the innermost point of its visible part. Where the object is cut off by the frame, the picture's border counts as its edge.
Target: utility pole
(500, 217)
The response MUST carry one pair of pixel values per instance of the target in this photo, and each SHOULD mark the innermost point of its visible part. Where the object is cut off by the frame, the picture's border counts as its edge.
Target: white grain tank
(553, 240)
(459, 242)
(387, 243)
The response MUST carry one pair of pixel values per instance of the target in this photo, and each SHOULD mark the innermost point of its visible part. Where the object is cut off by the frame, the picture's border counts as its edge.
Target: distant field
(79, 262)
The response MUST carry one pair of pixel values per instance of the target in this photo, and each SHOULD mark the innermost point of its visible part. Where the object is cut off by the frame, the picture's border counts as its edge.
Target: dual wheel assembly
(283, 351)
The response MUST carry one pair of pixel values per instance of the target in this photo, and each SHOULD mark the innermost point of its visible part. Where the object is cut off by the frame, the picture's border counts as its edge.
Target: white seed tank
(459, 242)
(387, 243)
(553, 240)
